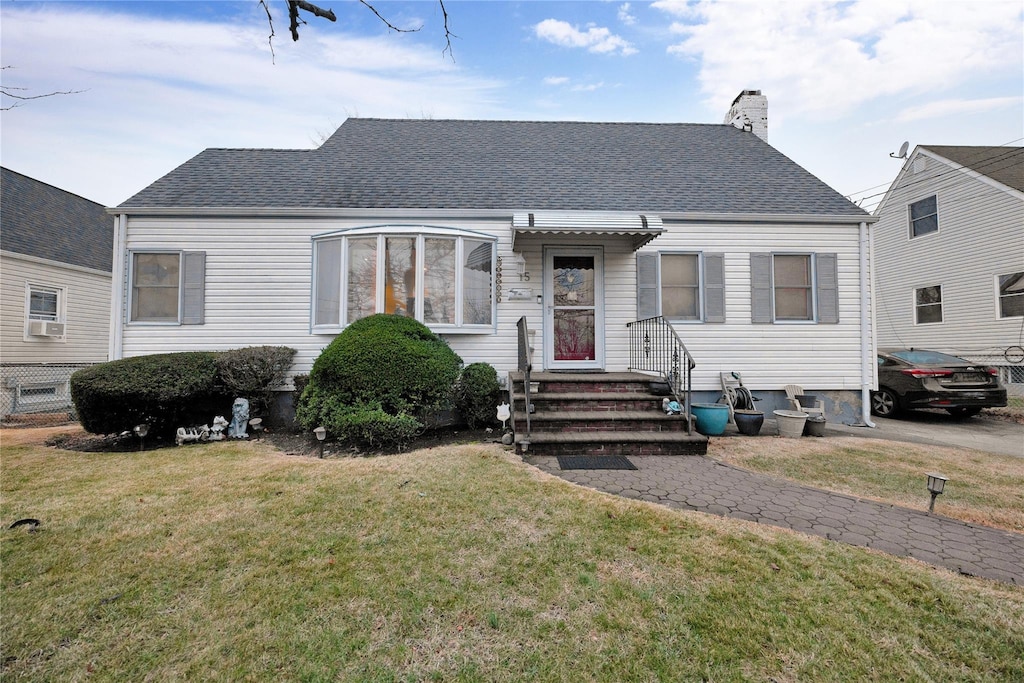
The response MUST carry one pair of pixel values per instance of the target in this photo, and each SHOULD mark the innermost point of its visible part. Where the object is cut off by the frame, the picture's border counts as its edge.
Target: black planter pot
(748, 422)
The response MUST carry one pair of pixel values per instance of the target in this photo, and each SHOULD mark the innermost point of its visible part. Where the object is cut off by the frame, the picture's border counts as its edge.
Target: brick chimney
(749, 111)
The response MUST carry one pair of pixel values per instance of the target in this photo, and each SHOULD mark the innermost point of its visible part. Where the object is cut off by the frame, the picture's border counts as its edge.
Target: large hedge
(166, 391)
(172, 390)
(389, 361)
(477, 395)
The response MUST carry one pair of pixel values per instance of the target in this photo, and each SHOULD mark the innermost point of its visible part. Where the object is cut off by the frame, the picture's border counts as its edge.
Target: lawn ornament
(671, 407)
(217, 431)
(189, 434)
(239, 419)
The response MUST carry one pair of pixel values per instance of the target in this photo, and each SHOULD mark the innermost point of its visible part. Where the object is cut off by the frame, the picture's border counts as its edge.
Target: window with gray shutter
(193, 299)
(827, 284)
(714, 288)
(761, 288)
(647, 286)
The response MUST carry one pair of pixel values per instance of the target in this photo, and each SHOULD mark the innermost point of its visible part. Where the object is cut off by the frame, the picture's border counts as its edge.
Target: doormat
(594, 462)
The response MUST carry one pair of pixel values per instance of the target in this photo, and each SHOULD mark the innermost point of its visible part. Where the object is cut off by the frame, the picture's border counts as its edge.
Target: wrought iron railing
(654, 346)
(525, 367)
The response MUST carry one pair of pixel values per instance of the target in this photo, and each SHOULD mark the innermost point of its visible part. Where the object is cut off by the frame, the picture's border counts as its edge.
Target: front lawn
(232, 561)
(983, 488)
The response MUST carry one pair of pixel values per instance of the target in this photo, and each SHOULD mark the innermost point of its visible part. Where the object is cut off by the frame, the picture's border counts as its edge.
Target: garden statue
(239, 419)
(671, 407)
(217, 431)
(191, 434)
(504, 413)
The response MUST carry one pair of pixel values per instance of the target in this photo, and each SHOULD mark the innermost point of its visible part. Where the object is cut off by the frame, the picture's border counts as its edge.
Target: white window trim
(910, 221)
(419, 233)
(999, 302)
(941, 305)
(702, 312)
(813, 320)
(62, 311)
(131, 287)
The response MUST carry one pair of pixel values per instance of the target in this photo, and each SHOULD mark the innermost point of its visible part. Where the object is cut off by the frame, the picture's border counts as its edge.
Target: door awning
(639, 228)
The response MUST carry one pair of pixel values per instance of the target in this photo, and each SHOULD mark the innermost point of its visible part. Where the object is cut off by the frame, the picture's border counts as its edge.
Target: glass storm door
(573, 308)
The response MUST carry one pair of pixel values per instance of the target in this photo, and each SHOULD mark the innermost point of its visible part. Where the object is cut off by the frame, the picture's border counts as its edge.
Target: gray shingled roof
(1002, 164)
(506, 165)
(43, 221)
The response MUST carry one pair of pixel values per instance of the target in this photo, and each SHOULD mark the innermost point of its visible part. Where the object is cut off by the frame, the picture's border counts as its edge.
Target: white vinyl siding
(84, 310)
(981, 237)
(259, 274)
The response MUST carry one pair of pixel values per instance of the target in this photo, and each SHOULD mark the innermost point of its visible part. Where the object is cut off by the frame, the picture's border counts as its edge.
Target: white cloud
(594, 39)
(626, 15)
(943, 108)
(824, 58)
(158, 91)
(587, 87)
(556, 80)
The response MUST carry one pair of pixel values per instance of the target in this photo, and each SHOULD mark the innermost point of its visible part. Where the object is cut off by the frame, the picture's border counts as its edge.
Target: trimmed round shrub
(165, 391)
(385, 360)
(477, 395)
(370, 427)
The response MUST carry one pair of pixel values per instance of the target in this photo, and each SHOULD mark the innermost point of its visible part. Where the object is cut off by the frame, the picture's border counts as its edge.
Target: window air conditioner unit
(45, 328)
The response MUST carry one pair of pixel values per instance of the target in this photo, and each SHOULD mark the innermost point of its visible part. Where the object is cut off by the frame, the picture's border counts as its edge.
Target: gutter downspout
(115, 345)
(867, 347)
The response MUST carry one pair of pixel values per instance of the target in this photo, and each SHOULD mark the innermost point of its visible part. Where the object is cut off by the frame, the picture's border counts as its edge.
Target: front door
(573, 308)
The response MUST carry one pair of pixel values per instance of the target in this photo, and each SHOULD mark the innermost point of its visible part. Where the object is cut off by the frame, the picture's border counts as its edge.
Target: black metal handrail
(654, 346)
(525, 367)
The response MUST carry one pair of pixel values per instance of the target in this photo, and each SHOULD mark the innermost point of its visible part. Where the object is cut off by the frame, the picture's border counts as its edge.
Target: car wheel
(884, 403)
(963, 412)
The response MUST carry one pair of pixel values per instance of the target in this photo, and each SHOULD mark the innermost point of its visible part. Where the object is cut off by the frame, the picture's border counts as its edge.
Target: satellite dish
(903, 151)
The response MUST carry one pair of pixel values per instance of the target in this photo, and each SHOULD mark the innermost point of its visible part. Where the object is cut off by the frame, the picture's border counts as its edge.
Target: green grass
(983, 488)
(232, 562)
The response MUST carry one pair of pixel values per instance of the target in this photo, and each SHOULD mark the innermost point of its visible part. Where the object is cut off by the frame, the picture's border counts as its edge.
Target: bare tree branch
(388, 23)
(448, 35)
(270, 38)
(8, 91)
(293, 13)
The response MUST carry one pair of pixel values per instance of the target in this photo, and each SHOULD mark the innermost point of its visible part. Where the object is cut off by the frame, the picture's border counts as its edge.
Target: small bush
(164, 391)
(368, 426)
(254, 372)
(386, 360)
(477, 395)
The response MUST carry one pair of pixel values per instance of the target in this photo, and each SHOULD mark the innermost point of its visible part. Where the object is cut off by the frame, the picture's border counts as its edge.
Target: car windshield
(920, 357)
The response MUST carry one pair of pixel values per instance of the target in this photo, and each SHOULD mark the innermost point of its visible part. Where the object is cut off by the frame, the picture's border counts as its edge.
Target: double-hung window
(924, 217)
(167, 287)
(45, 303)
(928, 305)
(441, 277)
(794, 287)
(681, 286)
(1011, 295)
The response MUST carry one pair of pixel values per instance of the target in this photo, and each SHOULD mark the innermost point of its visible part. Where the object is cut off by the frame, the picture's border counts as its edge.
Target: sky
(157, 82)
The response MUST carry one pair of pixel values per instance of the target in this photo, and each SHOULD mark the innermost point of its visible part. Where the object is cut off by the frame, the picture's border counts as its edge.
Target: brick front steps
(597, 414)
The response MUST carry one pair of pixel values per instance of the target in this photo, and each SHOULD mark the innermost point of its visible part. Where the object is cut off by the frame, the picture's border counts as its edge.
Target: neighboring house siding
(258, 273)
(87, 312)
(980, 236)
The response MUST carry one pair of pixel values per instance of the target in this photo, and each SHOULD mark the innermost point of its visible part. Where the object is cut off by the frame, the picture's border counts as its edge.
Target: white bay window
(439, 276)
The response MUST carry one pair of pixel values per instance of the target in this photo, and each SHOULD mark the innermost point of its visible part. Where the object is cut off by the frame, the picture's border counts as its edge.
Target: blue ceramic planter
(711, 418)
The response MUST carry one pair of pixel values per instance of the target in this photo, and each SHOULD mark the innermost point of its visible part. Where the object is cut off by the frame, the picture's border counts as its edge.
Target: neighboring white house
(470, 225)
(56, 250)
(949, 255)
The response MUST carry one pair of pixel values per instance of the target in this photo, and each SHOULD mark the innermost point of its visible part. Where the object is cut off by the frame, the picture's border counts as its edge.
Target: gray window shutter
(193, 299)
(827, 288)
(714, 288)
(647, 286)
(760, 288)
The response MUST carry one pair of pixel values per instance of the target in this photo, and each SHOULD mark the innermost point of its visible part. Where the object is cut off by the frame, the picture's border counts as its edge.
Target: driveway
(941, 429)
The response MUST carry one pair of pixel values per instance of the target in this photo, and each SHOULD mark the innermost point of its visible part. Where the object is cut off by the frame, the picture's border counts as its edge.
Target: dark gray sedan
(915, 378)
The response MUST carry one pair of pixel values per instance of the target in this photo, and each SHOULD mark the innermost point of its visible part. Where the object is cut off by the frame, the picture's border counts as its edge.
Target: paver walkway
(707, 485)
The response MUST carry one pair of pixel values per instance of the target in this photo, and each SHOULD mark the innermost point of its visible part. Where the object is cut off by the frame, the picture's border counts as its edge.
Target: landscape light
(936, 483)
(141, 431)
(321, 434)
